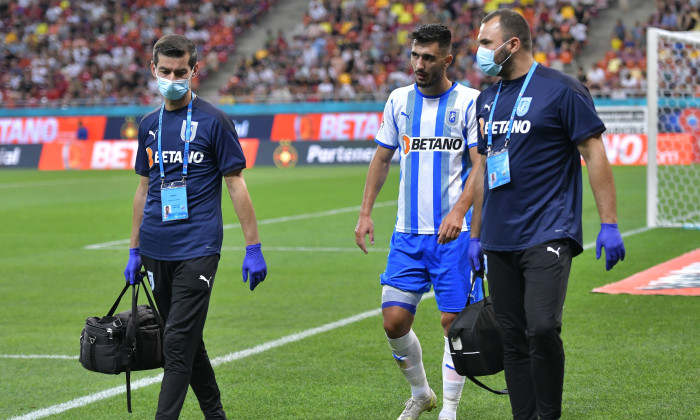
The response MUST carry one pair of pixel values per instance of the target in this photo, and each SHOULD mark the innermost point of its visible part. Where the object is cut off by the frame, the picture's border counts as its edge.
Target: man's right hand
(476, 257)
(364, 226)
(133, 266)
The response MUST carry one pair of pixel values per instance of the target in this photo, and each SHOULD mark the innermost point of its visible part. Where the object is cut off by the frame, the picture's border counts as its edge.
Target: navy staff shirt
(214, 151)
(542, 202)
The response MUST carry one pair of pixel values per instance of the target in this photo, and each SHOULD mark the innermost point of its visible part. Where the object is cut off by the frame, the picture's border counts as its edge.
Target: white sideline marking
(111, 392)
(37, 356)
(263, 222)
(56, 182)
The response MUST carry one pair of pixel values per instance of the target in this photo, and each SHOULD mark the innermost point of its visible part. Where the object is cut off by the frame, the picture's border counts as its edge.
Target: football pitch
(308, 343)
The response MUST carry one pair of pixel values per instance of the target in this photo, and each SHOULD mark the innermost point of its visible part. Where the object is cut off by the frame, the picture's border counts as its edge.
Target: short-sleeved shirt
(542, 202)
(433, 135)
(214, 151)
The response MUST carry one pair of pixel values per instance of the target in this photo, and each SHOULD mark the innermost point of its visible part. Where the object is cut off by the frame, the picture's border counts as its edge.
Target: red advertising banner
(326, 126)
(37, 130)
(108, 154)
(631, 149)
(250, 151)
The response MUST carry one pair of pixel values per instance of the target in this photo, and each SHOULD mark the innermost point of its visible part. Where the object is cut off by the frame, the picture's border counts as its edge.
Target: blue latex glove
(610, 239)
(476, 257)
(254, 264)
(133, 266)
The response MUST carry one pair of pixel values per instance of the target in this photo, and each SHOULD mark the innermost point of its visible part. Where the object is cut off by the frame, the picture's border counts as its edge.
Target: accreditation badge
(173, 199)
(498, 168)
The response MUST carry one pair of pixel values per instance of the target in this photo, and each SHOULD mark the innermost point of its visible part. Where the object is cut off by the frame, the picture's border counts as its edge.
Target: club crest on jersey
(184, 127)
(451, 117)
(431, 144)
(523, 106)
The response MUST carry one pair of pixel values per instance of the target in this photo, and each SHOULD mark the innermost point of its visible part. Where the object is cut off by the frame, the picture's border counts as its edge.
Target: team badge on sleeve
(523, 106)
(451, 117)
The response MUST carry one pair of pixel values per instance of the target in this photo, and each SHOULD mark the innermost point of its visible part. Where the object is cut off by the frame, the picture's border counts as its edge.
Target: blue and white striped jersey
(433, 135)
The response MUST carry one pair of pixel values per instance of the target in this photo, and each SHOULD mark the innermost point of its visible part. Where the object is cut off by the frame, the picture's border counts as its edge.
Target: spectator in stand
(596, 76)
(581, 76)
(82, 132)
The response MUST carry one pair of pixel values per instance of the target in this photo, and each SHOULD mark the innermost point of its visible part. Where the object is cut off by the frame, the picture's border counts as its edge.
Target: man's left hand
(450, 228)
(254, 265)
(610, 239)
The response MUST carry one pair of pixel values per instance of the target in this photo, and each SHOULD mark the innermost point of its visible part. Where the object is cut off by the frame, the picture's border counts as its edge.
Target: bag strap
(486, 387)
(156, 314)
(134, 325)
(131, 340)
(471, 378)
(116, 302)
(471, 289)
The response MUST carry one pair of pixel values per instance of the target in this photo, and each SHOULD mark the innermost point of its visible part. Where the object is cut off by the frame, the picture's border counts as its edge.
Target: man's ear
(515, 45)
(448, 60)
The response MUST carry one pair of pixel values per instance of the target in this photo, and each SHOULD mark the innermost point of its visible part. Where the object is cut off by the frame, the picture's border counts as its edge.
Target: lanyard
(515, 108)
(188, 130)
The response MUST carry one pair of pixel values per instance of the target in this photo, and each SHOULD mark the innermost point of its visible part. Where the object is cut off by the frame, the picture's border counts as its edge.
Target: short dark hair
(433, 32)
(175, 45)
(513, 25)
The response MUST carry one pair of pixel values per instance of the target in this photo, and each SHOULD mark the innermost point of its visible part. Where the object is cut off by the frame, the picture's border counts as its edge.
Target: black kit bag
(475, 341)
(128, 341)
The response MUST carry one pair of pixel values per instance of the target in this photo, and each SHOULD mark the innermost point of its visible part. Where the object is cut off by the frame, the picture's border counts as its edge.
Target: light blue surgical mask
(484, 57)
(173, 89)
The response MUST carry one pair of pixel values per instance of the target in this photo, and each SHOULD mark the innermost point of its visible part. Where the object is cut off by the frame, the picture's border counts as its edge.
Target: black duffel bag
(128, 341)
(475, 340)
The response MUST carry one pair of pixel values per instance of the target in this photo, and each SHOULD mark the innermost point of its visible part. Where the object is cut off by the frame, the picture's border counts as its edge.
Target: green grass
(627, 356)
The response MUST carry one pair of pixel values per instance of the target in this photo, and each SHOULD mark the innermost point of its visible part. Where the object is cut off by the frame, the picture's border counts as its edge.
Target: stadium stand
(356, 50)
(621, 72)
(67, 52)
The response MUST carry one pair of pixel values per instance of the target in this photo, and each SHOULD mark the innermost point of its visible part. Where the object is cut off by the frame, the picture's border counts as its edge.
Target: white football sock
(452, 384)
(409, 357)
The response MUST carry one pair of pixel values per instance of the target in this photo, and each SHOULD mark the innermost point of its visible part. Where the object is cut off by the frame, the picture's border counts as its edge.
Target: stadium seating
(65, 52)
(90, 52)
(358, 50)
(625, 62)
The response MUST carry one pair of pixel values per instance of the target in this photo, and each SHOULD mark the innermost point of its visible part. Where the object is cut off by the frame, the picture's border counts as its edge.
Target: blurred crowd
(89, 52)
(621, 72)
(357, 50)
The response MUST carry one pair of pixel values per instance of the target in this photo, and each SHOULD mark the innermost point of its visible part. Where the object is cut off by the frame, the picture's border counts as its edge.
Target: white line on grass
(37, 356)
(57, 182)
(108, 393)
(283, 219)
